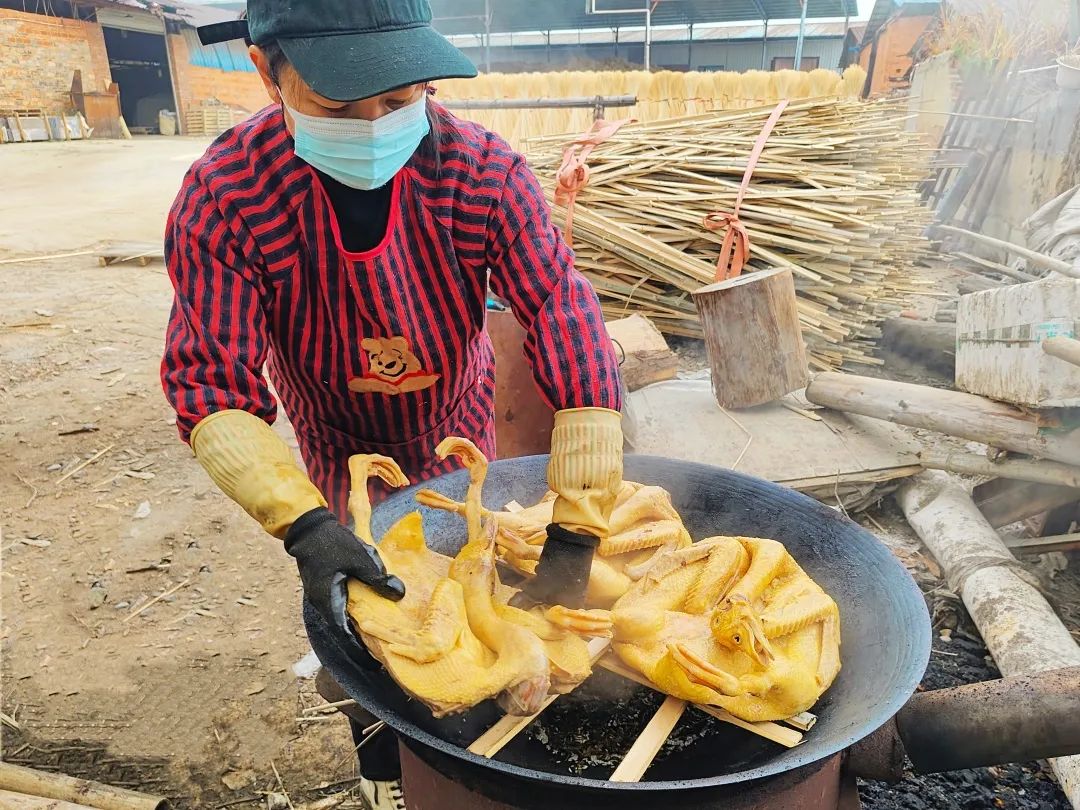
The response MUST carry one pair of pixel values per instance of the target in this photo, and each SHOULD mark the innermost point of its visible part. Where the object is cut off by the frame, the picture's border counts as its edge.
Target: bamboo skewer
(650, 741)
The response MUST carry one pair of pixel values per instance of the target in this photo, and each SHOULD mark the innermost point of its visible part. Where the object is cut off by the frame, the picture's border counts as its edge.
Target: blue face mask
(361, 154)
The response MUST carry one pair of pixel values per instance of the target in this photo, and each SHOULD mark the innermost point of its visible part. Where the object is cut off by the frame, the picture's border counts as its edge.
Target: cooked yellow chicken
(732, 622)
(643, 524)
(453, 642)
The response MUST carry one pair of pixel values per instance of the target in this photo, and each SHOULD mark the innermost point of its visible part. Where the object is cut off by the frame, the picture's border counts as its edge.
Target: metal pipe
(648, 34)
(1015, 719)
(590, 102)
(802, 34)
(487, 36)
(764, 45)
(1008, 720)
(847, 25)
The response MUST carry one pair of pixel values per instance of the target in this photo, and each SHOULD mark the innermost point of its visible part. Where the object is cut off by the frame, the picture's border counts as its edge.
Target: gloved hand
(255, 468)
(327, 553)
(585, 473)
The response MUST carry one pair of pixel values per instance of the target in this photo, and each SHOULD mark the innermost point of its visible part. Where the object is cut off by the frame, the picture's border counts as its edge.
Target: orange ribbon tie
(573, 174)
(735, 249)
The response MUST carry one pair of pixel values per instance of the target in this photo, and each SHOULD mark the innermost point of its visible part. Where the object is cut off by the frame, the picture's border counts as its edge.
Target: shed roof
(706, 33)
(467, 16)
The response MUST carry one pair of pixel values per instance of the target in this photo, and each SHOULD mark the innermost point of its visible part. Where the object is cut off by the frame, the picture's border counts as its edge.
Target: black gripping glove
(563, 571)
(327, 553)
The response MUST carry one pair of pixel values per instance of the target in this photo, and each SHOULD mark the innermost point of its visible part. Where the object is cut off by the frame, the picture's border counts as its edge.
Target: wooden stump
(752, 336)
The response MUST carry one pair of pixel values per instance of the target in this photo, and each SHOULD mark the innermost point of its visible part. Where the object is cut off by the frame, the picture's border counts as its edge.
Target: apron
(383, 351)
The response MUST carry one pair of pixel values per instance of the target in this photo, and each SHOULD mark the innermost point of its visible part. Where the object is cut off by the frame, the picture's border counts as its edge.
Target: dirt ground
(103, 511)
(199, 685)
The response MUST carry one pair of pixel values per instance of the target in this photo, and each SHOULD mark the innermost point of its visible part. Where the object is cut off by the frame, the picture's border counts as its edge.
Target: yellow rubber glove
(585, 470)
(254, 467)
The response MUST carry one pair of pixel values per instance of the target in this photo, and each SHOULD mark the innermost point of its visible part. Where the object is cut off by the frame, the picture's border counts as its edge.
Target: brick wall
(893, 60)
(39, 55)
(196, 84)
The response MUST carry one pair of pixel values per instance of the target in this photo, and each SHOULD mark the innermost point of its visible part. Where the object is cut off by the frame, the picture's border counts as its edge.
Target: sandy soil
(102, 510)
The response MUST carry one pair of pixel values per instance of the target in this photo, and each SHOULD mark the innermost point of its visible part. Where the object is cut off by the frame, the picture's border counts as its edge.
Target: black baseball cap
(350, 49)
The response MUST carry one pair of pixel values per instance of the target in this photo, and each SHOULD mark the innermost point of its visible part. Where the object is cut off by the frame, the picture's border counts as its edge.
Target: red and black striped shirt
(385, 350)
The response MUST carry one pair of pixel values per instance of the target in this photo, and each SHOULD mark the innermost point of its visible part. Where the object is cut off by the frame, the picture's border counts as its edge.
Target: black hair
(277, 61)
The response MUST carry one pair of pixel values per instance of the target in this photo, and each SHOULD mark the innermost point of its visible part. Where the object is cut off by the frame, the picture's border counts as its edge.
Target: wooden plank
(645, 357)
(499, 735)
(1044, 545)
(679, 419)
(650, 741)
(803, 721)
(1004, 501)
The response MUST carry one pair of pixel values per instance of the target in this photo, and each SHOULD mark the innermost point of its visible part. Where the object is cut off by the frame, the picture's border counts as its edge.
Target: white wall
(729, 55)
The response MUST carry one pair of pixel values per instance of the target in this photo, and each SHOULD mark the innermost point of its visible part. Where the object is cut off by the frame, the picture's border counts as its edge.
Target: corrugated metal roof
(187, 13)
(466, 16)
(709, 33)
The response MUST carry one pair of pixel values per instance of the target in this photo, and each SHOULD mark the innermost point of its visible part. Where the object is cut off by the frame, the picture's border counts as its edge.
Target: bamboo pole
(957, 414)
(1019, 626)
(71, 789)
(20, 801)
(1039, 472)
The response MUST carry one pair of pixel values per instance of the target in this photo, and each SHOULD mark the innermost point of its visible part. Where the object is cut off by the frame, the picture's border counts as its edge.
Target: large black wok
(884, 623)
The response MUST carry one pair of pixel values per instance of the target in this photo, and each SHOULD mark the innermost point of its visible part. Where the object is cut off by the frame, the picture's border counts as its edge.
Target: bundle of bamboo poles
(833, 198)
(664, 94)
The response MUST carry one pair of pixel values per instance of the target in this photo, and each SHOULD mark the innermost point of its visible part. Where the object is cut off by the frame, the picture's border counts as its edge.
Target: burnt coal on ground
(1029, 786)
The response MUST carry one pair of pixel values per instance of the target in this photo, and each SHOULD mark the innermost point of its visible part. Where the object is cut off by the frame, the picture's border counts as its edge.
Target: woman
(346, 237)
